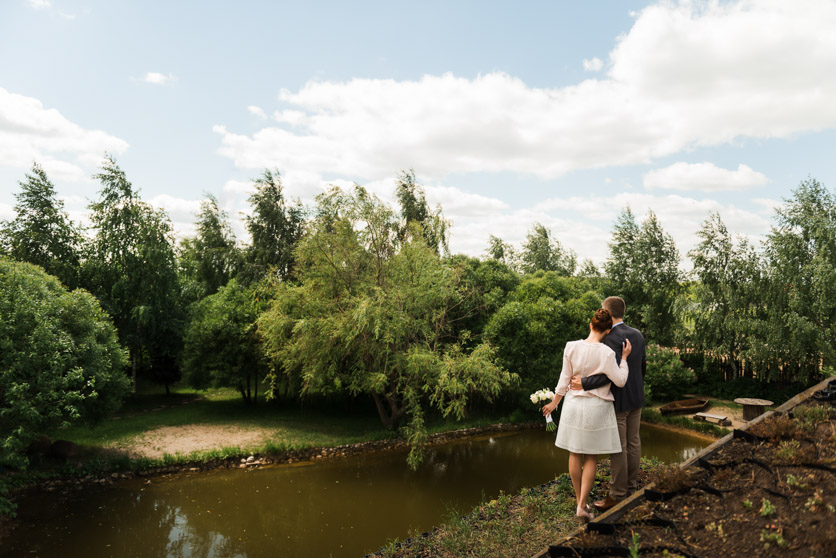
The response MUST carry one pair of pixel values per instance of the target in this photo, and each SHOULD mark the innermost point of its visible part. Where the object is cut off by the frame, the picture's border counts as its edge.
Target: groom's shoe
(606, 503)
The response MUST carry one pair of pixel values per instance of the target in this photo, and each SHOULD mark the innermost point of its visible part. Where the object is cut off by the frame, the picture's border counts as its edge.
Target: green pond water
(342, 507)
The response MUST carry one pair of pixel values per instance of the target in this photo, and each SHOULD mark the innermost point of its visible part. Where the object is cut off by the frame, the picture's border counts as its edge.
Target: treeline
(354, 299)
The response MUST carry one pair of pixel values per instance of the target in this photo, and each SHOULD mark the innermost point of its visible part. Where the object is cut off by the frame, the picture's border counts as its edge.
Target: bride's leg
(575, 462)
(587, 479)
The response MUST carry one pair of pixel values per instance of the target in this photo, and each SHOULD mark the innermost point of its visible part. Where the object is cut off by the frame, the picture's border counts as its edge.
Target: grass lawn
(289, 425)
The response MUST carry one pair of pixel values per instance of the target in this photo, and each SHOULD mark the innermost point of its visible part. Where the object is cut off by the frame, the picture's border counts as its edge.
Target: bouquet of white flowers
(540, 396)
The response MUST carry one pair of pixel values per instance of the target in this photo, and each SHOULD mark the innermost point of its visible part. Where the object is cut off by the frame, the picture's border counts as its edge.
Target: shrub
(60, 360)
(667, 376)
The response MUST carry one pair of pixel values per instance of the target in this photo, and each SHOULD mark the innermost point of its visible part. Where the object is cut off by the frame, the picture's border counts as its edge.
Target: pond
(342, 507)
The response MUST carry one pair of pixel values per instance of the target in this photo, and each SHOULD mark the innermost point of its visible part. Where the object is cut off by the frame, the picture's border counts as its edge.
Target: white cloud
(7, 212)
(238, 187)
(29, 132)
(258, 111)
(687, 74)
(157, 78)
(680, 216)
(38, 4)
(704, 177)
(66, 16)
(593, 65)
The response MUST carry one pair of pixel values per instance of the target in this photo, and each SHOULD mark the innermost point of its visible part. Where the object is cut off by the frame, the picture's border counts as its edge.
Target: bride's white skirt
(587, 425)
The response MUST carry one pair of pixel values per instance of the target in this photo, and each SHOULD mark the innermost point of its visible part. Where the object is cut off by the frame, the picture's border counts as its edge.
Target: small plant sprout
(747, 504)
(767, 509)
(634, 546)
(796, 482)
(814, 501)
(768, 539)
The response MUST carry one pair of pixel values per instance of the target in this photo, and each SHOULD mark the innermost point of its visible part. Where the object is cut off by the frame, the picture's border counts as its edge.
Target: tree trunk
(133, 371)
(167, 392)
(255, 381)
(389, 417)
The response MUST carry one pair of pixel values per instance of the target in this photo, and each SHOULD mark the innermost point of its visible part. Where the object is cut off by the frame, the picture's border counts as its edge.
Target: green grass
(654, 416)
(292, 426)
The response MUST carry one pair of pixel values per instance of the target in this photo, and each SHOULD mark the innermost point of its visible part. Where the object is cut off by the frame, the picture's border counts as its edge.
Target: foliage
(60, 360)
(643, 268)
(130, 266)
(486, 287)
(211, 258)
(501, 251)
(796, 338)
(541, 252)
(414, 209)
(728, 299)
(275, 227)
(667, 376)
(531, 330)
(41, 232)
(221, 346)
(371, 315)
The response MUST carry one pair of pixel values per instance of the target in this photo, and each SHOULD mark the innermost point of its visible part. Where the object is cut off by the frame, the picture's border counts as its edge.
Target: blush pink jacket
(584, 359)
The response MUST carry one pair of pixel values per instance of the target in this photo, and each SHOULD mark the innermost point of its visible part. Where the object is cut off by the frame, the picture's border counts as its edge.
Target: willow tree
(728, 298)
(130, 266)
(801, 266)
(372, 315)
(542, 252)
(275, 227)
(211, 258)
(643, 268)
(41, 233)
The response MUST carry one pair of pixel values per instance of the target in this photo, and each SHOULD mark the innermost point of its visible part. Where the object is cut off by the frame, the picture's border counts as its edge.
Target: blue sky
(555, 112)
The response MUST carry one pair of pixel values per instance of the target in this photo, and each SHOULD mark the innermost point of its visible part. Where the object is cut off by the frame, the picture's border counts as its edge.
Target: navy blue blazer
(631, 396)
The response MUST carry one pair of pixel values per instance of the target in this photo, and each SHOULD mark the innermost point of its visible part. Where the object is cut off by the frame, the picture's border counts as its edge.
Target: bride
(587, 423)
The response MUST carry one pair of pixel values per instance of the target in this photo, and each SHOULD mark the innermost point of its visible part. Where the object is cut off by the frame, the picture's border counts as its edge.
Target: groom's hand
(576, 383)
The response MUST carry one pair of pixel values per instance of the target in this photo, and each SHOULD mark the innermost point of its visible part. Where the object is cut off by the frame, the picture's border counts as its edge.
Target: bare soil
(190, 438)
(777, 497)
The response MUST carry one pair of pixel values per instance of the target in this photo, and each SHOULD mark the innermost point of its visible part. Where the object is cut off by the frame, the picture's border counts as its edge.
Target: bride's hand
(626, 349)
(549, 408)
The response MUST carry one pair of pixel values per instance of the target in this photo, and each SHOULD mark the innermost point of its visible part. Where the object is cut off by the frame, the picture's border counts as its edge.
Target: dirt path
(195, 437)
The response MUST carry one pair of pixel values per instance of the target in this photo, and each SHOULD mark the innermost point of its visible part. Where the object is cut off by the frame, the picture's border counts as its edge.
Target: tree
(60, 359)
(540, 252)
(221, 346)
(532, 328)
(501, 251)
(643, 268)
(41, 232)
(275, 227)
(415, 209)
(211, 258)
(130, 266)
(371, 315)
(801, 268)
(728, 299)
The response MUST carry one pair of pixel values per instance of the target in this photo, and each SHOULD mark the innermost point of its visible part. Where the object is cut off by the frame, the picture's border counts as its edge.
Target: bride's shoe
(584, 514)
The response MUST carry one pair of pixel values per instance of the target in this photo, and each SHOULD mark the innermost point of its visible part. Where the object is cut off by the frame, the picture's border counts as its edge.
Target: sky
(557, 112)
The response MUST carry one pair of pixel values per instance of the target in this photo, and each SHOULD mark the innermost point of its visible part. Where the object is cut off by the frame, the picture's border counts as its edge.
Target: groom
(629, 401)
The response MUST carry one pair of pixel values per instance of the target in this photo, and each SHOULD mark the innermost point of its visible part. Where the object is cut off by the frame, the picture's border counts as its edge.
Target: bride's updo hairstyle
(602, 320)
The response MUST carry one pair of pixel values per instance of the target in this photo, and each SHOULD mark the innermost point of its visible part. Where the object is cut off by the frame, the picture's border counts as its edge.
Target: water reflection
(341, 508)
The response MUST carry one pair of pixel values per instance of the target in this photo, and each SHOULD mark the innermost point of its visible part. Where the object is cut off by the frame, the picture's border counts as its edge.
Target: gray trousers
(625, 465)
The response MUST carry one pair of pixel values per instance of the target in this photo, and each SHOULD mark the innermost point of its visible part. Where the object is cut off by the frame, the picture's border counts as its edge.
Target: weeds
(767, 509)
(768, 539)
(634, 546)
(670, 478)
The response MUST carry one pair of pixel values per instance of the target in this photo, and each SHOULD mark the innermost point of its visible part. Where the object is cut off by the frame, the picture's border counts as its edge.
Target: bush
(667, 376)
(60, 360)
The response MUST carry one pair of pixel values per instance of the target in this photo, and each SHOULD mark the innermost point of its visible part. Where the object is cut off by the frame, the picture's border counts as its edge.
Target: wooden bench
(722, 420)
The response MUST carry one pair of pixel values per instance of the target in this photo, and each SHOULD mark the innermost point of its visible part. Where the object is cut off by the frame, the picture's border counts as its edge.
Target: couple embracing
(604, 378)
